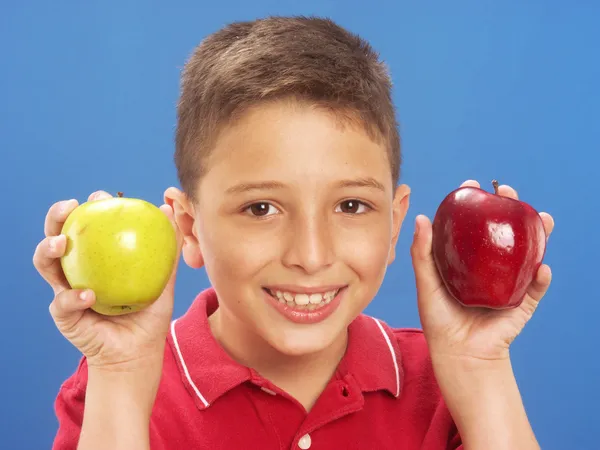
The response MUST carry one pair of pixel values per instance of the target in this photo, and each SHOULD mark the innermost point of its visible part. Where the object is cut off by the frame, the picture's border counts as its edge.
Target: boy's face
(291, 202)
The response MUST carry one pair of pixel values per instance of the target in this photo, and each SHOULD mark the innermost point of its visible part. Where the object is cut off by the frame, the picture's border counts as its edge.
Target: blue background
(506, 90)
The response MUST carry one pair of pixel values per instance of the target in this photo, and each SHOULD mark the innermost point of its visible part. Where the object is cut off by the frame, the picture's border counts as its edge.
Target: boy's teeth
(302, 299)
(305, 300)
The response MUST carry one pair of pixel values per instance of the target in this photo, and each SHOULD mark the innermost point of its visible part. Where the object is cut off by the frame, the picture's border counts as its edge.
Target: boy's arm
(486, 405)
(117, 412)
(100, 410)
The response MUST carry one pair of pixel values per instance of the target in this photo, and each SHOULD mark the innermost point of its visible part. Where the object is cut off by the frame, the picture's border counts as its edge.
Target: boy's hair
(311, 60)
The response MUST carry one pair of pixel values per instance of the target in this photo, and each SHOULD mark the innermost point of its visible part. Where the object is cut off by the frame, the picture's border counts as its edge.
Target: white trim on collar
(391, 348)
(185, 369)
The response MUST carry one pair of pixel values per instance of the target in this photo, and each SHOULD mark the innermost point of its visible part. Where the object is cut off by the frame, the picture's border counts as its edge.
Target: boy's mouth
(302, 301)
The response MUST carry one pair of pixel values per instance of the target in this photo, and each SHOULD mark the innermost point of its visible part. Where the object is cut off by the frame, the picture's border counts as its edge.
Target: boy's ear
(400, 206)
(183, 210)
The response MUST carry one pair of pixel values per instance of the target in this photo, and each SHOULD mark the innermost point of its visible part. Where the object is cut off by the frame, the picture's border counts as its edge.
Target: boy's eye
(353, 207)
(261, 209)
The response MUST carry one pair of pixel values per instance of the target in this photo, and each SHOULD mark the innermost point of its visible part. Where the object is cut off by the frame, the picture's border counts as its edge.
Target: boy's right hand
(115, 343)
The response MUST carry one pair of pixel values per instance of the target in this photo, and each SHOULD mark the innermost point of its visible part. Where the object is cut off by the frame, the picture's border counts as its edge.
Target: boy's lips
(305, 304)
(304, 289)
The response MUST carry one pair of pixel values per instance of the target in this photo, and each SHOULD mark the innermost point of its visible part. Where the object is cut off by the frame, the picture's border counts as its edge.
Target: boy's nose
(309, 245)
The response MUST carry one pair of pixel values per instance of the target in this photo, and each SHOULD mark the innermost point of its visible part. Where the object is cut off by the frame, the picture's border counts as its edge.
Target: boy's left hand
(466, 333)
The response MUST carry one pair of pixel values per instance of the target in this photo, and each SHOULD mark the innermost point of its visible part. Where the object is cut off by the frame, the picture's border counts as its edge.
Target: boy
(289, 158)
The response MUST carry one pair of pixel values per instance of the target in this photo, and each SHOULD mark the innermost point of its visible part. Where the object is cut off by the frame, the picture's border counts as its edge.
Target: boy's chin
(307, 341)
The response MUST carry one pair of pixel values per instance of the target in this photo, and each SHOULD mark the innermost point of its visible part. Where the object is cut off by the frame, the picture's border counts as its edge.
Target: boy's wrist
(485, 403)
(463, 363)
(465, 379)
(135, 384)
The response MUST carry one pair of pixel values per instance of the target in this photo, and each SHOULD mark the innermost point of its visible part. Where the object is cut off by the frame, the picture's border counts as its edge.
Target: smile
(308, 306)
(304, 301)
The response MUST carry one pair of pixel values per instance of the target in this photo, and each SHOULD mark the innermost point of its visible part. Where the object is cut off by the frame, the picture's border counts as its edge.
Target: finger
(68, 307)
(540, 284)
(471, 183)
(56, 216)
(98, 195)
(426, 274)
(47, 263)
(507, 191)
(548, 222)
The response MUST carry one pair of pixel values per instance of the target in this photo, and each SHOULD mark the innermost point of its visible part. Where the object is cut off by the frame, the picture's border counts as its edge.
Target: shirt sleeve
(68, 407)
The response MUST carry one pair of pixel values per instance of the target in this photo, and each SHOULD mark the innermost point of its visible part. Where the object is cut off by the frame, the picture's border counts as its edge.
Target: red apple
(487, 247)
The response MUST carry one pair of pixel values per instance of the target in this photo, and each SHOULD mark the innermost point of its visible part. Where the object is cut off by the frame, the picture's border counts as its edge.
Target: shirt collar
(372, 357)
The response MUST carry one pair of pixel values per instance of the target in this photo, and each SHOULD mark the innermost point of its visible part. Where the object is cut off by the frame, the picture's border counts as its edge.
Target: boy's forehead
(283, 138)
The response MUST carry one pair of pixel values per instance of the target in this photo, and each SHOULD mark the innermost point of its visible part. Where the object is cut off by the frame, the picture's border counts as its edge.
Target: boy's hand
(468, 334)
(126, 343)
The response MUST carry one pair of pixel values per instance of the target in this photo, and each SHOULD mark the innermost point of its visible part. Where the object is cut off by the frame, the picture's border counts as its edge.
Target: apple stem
(119, 194)
(495, 184)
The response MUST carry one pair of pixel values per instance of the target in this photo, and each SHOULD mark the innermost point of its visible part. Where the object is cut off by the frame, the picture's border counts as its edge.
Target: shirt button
(304, 442)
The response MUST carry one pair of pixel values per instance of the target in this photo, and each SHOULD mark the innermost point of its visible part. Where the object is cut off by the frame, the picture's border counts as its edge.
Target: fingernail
(85, 295)
(416, 226)
(52, 244)
(65, 206)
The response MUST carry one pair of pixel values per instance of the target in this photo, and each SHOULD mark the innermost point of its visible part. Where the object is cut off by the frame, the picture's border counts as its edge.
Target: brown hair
(309, 59)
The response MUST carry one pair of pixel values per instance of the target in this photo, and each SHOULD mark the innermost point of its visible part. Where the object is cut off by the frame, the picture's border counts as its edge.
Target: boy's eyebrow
(271, 185)
(362, 182)
(263, 185)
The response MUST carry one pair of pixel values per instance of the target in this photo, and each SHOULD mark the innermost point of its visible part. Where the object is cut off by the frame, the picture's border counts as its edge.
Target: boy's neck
(283, 371)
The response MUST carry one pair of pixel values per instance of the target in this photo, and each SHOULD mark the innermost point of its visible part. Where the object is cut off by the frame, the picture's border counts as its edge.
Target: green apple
(124, 249)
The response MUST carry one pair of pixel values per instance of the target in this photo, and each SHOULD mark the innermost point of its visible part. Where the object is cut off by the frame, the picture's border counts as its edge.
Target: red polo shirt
(383, 396)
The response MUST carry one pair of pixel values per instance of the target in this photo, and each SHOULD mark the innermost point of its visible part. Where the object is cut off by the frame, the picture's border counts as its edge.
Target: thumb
(427, 277)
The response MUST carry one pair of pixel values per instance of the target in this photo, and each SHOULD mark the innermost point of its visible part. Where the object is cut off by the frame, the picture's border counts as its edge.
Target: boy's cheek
(366, 247)
(236, 258)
